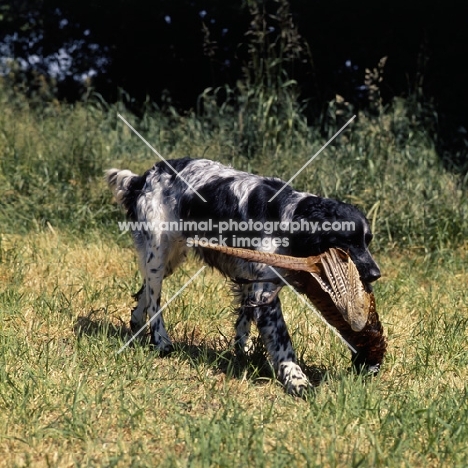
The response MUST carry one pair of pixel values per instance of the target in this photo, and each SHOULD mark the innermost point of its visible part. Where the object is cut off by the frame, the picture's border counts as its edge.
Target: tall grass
(52, 161)
(52, 155)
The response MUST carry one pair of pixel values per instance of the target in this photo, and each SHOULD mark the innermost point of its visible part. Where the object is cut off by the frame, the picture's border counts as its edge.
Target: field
(68, 398)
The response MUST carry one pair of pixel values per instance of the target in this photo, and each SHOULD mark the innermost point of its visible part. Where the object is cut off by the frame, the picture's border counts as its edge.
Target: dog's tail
(126, 187)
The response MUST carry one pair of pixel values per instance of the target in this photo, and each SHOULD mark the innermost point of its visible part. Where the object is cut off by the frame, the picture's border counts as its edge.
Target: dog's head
(334, 224)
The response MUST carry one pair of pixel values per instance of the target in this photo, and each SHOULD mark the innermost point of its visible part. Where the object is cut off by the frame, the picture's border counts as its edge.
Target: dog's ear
(316, 209)
(314, 240)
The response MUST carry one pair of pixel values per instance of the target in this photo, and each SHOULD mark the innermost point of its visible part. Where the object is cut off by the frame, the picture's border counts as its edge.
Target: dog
(198, 196)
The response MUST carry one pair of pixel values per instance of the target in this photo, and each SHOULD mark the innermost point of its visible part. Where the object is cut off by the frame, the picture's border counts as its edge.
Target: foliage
(264, 106)
(120, 44)
(53, 157)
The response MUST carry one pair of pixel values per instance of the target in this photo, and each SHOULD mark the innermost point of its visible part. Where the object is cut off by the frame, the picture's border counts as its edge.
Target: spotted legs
(260, 302)
(152, 266)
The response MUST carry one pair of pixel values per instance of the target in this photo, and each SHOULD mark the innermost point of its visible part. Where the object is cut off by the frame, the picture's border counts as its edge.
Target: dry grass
(67, 398)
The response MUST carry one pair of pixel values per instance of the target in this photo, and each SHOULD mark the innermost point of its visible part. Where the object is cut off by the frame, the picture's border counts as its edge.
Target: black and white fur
(164, 195)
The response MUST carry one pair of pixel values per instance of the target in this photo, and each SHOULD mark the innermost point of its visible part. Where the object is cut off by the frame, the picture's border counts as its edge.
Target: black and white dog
(199, 197)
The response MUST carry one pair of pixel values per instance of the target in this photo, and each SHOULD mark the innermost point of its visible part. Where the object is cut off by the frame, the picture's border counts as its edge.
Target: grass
(68, 398)
(53, 158)
(67, 274)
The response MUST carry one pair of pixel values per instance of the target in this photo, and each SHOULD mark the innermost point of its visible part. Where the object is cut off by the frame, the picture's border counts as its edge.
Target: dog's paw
(372, 370)
(294, 380)
(366, 369)
(162, 344)
(244, 346)
(162, 350)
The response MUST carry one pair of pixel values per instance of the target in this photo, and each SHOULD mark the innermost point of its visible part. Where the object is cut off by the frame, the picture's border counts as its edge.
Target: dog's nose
(373, 275)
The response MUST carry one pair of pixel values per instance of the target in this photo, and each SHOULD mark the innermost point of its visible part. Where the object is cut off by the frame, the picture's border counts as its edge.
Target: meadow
(67, 398)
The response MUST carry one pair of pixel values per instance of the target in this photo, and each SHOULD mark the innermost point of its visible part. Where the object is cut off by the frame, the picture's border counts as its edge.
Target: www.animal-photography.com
(233, 234)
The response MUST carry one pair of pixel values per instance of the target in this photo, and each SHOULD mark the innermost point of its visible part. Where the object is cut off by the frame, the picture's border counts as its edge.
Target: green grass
(68, 399)
(67, 274)
(52, 161)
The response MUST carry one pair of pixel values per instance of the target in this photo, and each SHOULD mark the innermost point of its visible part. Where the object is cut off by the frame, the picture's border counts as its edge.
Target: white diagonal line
(312, 158)
(158, 154)
(315, 311)
(161, 309)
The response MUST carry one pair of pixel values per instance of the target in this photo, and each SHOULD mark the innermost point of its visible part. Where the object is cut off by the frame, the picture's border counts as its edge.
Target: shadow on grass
(89, 326)
(218, 354)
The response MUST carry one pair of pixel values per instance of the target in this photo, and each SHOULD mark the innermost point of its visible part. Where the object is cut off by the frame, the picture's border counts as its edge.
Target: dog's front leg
(275, 336)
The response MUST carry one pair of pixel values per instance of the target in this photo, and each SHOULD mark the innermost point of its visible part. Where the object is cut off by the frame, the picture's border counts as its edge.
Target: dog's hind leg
(138, 319)
(250, 295)
(157, 254)
(153, 249)
(243, 325)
